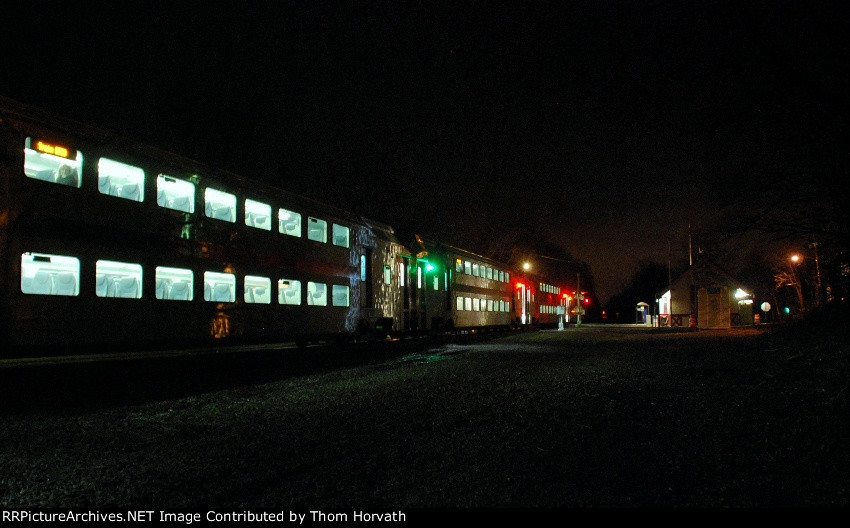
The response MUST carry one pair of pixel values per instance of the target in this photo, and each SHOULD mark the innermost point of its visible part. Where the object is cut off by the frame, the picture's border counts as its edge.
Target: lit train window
(46, 274)
(476, 304)
(340, 235)
(489, 305)
(475, 269)
(467, 303)
(219, 205)
(317, 229)
(52, 163)
(401, 279)
(118, 279)
(258, 289)
(174, 284)
(436, 283)
(490, 273)
(119, 179)
(219, 287)
(388, 274)
(317, 294)
(502, 276)
(258, 214)
(289, 222)
(507, 277)
(459, 304)
(339, 295)
(458, 265)
(172, 193)
(289, 292)
(467, 267)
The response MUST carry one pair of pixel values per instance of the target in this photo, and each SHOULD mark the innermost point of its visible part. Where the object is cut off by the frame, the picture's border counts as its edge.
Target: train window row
(49, 274)
(480, 270)
(474, 304)
(548, 288)
(61, 165)
(549, 309)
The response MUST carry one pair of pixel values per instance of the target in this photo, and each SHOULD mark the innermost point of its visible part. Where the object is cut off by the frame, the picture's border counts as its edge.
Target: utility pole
(670, 282)
(818, 298)
(690, 247)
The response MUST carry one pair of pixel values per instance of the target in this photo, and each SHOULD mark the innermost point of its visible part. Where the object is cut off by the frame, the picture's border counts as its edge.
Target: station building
(705, 296)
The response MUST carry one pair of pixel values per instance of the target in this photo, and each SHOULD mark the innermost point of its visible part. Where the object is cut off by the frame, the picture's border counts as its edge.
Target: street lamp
(798, 288)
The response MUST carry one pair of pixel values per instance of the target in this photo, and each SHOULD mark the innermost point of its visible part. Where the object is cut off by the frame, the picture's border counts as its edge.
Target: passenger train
(107, 243)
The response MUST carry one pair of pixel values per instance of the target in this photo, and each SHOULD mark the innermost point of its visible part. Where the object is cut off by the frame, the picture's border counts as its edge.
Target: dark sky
(602, 125)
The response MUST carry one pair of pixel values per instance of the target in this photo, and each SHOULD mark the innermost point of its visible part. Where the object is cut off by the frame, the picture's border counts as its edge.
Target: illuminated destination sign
(56, 150)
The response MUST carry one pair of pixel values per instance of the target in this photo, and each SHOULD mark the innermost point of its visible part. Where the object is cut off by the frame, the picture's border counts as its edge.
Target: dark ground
(585, 418)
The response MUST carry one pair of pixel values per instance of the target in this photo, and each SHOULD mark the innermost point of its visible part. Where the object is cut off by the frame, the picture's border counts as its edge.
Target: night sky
(604, 126)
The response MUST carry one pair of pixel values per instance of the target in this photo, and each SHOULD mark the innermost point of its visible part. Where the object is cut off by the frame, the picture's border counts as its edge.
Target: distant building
(705, 296)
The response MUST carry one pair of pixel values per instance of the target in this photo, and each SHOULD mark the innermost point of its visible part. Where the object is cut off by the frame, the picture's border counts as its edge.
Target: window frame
(324, 227)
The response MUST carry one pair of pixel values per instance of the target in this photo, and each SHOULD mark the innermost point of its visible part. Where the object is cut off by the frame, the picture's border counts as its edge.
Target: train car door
(524, 298)
(366, 287)
(403, 278)
(418, 301)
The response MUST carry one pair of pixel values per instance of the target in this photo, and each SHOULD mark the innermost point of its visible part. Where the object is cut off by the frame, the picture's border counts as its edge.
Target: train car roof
(381, 228)
(11, 110)
(426, 243)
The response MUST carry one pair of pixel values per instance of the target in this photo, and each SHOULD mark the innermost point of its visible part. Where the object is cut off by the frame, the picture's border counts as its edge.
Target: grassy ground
(581, 418)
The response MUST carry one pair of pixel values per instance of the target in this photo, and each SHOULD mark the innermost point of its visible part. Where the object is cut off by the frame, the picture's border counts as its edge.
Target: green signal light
(429, 266)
